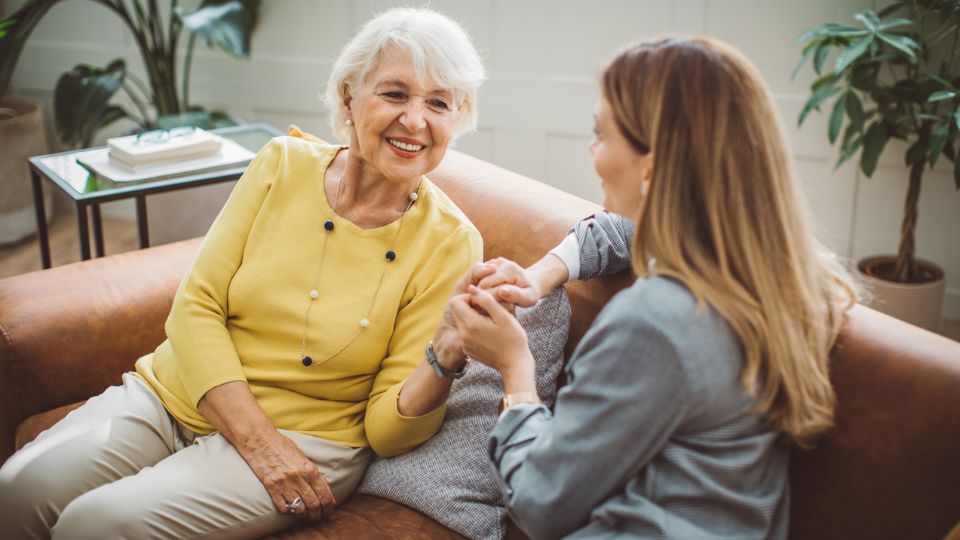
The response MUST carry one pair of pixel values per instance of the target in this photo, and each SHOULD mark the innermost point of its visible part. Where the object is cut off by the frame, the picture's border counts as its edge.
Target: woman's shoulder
(300, 148)
(443, 213)
(665, 307)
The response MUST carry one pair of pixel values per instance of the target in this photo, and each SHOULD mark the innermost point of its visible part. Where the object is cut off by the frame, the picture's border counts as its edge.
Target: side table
(88, 189)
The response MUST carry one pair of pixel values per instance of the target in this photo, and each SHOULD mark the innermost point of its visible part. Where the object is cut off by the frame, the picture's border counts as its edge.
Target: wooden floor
(121, 235)
(24, 256)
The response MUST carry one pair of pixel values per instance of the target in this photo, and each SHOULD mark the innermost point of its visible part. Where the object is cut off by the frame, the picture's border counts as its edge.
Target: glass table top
(82, 184)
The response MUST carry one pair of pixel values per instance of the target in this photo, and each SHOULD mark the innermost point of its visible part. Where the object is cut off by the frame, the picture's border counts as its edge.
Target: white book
(231, 155)
(156, 147)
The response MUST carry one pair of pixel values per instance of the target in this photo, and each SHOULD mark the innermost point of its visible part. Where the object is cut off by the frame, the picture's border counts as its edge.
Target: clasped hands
(479, 318)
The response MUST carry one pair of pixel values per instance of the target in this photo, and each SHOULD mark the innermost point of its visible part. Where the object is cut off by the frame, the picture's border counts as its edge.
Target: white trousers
(121, 467)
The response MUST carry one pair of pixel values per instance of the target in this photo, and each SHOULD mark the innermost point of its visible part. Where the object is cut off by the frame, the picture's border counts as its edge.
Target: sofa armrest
(69, 332)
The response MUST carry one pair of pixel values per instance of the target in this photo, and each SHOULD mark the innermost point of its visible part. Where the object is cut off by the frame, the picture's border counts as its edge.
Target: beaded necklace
(390, 256)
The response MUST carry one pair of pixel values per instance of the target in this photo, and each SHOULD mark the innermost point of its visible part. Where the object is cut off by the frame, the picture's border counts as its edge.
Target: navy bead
(328, 225)
(391, 255)
(307, 360)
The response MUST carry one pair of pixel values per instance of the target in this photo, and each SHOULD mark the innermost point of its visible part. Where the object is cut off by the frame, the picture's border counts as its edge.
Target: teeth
(405, 146)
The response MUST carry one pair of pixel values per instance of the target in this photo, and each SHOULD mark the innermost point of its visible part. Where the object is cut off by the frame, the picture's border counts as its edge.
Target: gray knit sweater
(653, 435)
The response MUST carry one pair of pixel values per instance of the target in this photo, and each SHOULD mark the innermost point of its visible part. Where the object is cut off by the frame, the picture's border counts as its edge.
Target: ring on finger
(294, 505)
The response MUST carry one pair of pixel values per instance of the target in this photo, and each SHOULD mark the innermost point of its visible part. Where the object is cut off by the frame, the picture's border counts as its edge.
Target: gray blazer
(653, 436)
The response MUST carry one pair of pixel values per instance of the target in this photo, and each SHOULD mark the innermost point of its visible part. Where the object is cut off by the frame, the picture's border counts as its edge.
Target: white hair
(441, 50)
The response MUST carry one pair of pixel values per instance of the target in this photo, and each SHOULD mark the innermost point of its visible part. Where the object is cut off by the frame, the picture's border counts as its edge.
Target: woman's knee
(28, 498)
(95, 515)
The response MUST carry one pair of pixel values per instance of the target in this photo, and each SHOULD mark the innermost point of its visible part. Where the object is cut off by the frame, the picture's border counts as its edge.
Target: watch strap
(516, 398)
(438, 369)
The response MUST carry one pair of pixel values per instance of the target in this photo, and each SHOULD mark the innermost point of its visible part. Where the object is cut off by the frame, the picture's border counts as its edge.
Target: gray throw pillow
(449, 477)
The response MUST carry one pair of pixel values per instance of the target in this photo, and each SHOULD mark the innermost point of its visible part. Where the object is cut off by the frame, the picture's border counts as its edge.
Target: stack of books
(162, 147)
(161, 154)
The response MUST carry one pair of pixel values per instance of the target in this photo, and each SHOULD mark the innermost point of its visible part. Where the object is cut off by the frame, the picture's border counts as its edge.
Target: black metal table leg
(83, 231)
(41, 219)
(142, 221)
(97, 229)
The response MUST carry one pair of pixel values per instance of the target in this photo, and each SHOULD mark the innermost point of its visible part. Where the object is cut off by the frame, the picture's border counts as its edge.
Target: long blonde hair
(724, 216)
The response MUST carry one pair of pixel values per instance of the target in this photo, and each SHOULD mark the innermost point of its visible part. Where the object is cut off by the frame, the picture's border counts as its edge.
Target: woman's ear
(347, 98)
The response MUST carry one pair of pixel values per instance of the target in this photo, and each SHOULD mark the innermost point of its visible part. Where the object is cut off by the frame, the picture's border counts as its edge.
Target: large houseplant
(896, 75)
(82, 98)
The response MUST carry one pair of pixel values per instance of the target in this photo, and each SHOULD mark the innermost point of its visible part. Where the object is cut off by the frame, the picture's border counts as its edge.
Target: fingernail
(472, 288)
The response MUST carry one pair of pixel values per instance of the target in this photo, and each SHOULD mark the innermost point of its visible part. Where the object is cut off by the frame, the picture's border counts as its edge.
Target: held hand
(493, 337)
(511, 283)
(288, 475)
(446, 340)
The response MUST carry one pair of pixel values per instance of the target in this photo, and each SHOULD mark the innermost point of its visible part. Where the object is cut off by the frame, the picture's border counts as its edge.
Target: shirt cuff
(568, 251)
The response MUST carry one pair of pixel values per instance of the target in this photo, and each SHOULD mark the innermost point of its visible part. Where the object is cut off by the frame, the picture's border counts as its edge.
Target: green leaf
(223, 25)
(916, 152)
(195, 117)
(826, 80)
(815, 100)
(836, 120)
(852, 53)
(80, 99)
(904, 44)
(16, 30)
(110, 115)
(849, 149)
(4, 25)
(831, 30)
(956, 118)
(891, 9)
(854, 110)
(820, 56)
(220, 119)
(942, 95)
(937, 141)
(869, 19)
(873, 143)
(894, 23)
(807, 52)
(948, 151)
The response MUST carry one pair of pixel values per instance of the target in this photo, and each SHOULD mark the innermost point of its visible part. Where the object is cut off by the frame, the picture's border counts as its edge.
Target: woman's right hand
(512, 283)
(287, 473)
(283, 469)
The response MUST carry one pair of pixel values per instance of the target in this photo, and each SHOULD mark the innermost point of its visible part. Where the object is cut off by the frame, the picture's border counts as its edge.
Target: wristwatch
(440, 370)
(516, 398)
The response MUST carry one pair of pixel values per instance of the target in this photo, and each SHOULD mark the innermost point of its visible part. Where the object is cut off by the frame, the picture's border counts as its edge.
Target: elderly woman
(301, 337)
(683, 393)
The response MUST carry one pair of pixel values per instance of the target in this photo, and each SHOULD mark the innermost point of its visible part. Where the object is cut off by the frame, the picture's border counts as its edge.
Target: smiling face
(401, 126)
(624, 172)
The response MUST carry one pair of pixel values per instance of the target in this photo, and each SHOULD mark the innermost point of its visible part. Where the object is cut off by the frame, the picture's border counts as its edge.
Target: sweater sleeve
(604, 241)
(624, 399)
(196, 327)
(389, 432)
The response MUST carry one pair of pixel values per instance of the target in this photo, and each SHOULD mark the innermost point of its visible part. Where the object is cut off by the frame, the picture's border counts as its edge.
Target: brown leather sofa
(890, 469)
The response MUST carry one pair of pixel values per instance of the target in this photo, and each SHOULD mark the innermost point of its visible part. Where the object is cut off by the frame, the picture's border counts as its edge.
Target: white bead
(314, 294)
(364, 323)
(413, 196)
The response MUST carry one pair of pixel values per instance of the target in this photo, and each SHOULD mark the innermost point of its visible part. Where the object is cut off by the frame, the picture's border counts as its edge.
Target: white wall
(542, 57)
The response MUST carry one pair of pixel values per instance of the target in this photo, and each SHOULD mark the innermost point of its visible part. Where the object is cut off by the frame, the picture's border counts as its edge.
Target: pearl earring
(348, 122)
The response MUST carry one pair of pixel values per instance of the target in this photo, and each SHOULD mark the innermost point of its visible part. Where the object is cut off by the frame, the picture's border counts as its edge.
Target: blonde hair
(724, 216)
(441, 51)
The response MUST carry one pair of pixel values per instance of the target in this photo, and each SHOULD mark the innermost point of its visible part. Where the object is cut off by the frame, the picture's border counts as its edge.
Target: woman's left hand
(493, 337)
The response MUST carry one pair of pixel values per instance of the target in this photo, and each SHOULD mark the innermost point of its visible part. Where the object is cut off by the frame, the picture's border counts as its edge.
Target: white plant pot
(919, 304)
(21, 136)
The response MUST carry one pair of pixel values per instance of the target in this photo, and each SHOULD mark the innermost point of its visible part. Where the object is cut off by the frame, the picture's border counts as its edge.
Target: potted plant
(82, 95)
(896, 76)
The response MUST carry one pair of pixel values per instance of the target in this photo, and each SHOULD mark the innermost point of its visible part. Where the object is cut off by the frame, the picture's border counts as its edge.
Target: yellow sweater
(239, 312)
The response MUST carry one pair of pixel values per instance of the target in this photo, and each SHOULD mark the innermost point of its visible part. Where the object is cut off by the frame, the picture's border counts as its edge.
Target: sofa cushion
(449, 478)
